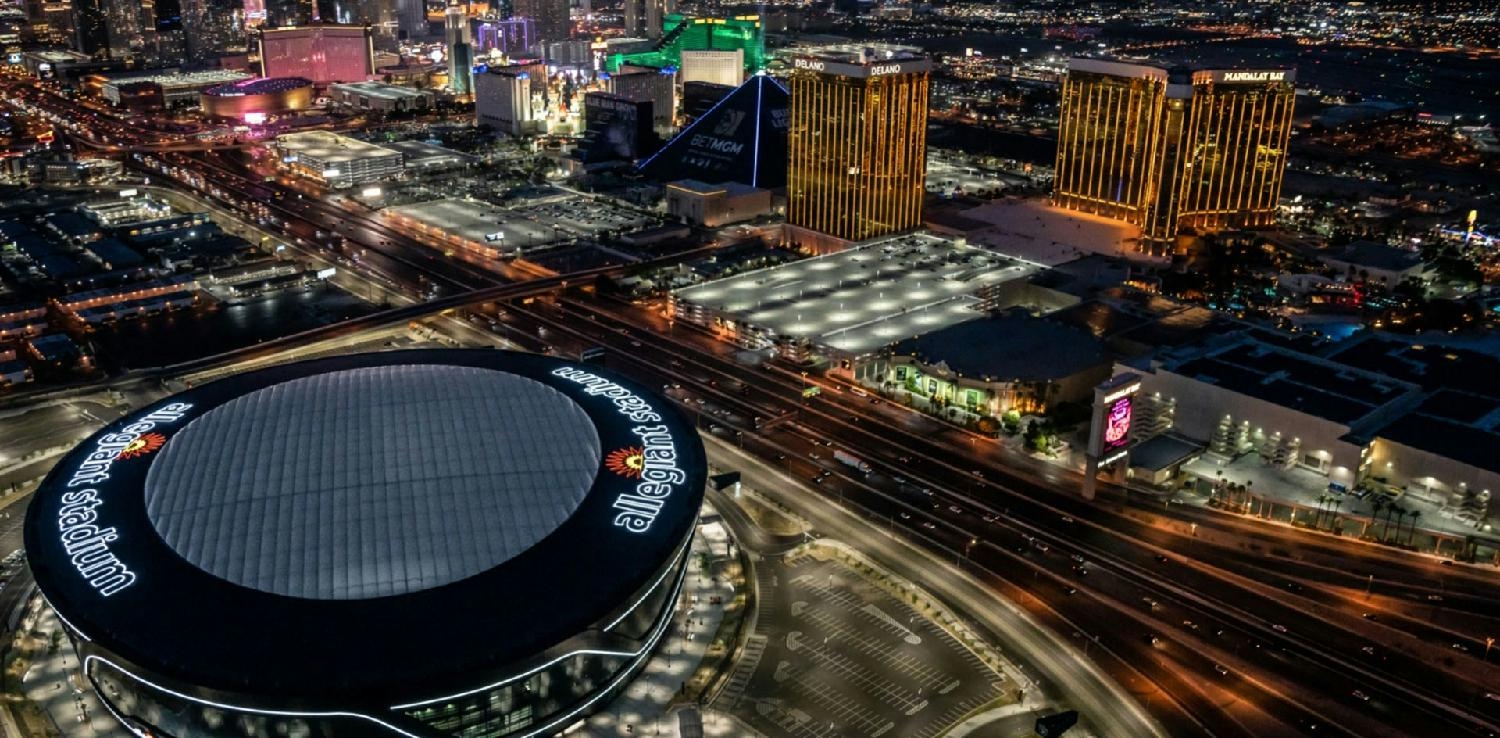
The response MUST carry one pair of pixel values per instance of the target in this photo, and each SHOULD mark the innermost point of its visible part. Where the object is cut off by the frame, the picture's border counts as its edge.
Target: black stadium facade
(419, 543)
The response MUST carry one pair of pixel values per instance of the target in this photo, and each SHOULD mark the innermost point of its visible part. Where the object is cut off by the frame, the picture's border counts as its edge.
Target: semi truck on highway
(848, 459)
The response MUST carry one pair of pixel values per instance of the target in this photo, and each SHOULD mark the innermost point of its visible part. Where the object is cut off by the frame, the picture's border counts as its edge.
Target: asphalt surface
(1300, 661)
(845, 658)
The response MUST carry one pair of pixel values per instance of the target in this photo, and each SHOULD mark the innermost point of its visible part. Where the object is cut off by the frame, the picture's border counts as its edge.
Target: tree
(1011, 420)
(1411, 530)
(1400, 513)
(1377, 505)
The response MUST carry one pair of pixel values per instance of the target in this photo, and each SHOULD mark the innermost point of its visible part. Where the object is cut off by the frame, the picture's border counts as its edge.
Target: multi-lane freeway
(1222, 626)
(1212, 625)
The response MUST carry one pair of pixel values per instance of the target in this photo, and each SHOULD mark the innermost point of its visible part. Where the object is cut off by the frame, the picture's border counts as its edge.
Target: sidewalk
(1292, 496)
(645, 706)
(55, 684)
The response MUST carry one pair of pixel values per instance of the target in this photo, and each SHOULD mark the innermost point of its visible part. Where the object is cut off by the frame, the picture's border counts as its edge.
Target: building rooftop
(383, 90)
(863, 298)
(422, 155)
(1036, 230)
(1430, 365)
(479, 222)
(1007, 348)
(859, 53)
(330, 147)
(297, 527)
(172, 80)
(1371, 255)
(1308, 384)
(1162, 451)
(703, 188)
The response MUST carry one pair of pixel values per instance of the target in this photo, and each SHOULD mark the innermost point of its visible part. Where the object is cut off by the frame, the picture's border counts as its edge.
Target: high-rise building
(683, 33)
(1173, 150)
(91, 27)
(616, 129)
(411, 18)
(127, 24)
(321, 53)
(643, 18)
(858, 140)
(648, 83)
(168, 31)
(502, 99)
(549, 17)
(50, 21)
(460, 49)
(511, 36)
(717, 67)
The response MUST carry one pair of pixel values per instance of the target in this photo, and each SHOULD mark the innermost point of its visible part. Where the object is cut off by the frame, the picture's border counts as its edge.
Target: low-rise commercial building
(381, 97)
(177, 88)
(716, 205)
(852, 303)
(1374, 415)
(339, 161)
(1375, 263)
(987, 367)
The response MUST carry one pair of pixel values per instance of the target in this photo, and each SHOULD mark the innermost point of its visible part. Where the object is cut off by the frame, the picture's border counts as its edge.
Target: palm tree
(1318, 519)
(1411, 530)
(1376, 506)
(1400, 513)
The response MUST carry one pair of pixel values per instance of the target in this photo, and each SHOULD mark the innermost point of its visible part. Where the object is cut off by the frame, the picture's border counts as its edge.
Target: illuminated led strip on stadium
(682, 574)
(624, 673)
(654, 585)
(87, 660)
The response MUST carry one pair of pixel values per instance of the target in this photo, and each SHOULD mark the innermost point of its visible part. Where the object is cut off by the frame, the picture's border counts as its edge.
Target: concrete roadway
(1338, 647)
(1243, 546)
(1061, 665)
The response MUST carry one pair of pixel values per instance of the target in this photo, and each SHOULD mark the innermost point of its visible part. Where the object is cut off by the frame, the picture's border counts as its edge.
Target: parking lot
(836, 655)
(584, 217)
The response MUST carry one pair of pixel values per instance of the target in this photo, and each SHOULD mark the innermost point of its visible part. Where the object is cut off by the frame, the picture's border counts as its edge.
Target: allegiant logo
(653, 461)
(85, 542)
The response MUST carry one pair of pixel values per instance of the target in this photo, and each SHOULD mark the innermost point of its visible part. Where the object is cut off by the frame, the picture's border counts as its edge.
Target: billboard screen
(1116, 432)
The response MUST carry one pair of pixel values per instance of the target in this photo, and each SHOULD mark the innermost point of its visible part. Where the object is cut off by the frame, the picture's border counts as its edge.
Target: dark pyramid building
(742, 139)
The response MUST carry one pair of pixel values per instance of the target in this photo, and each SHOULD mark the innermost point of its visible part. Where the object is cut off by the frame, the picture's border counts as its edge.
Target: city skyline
(848, 370)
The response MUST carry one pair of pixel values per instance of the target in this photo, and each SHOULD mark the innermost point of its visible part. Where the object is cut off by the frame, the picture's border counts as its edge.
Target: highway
(1218, 623)
(1291, 655)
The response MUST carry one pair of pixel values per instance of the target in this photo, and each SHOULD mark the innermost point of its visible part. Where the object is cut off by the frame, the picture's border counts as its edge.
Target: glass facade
(858, 153)
(1172, 153)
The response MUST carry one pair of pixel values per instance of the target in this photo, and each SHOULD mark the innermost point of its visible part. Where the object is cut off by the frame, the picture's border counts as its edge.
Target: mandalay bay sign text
(1268, 76)
(659, 474)
(82, 537)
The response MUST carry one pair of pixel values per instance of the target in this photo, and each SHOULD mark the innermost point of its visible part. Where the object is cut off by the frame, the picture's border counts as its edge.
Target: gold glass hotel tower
(1173, 151)
(858, 140)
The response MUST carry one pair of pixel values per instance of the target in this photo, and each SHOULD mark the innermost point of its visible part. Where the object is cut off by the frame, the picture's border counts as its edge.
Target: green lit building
(681, 33)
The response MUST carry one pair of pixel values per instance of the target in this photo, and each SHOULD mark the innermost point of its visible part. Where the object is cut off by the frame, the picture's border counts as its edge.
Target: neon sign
(85, 542)
(1254, 76)
(653, 462)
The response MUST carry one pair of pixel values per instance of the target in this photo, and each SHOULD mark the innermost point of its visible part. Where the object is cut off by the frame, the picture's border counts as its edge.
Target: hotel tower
(1173, 150)
(858, 140)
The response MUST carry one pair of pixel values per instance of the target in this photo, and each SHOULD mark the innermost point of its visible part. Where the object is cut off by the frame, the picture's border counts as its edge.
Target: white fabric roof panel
(374, 481)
